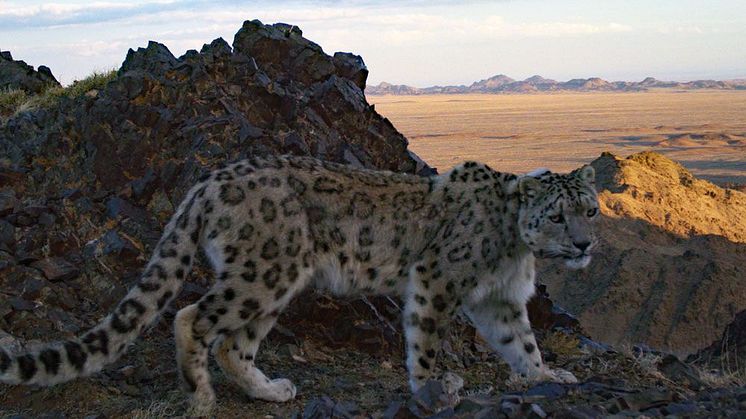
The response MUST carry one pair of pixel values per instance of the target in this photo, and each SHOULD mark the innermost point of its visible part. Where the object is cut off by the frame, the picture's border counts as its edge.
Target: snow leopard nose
(582, 245)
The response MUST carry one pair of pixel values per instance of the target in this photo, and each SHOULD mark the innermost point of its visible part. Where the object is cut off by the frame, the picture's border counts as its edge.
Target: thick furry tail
(171, 261)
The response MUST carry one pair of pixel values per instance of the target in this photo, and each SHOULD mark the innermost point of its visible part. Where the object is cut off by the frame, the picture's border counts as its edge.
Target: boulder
(727, 353)
(56, 269)
(19, 75)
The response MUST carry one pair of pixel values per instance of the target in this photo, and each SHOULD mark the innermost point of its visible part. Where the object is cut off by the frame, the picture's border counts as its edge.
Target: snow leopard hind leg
(236, 355)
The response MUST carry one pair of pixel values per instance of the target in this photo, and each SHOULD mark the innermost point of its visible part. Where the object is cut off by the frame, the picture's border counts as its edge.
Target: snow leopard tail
(90, 352)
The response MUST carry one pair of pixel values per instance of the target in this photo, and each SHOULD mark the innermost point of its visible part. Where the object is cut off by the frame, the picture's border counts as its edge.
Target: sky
(415, 42)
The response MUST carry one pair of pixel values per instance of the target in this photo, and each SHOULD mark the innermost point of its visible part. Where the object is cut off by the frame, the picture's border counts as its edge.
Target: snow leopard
(271, 227)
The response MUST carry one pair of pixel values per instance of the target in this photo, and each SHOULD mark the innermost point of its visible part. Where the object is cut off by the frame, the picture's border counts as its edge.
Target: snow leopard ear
(586, 173)
(529, 187)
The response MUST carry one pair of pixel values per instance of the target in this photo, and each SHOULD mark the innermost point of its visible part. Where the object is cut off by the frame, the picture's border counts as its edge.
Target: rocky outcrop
(668, 271)
(87, 184)
(19, 75)
(655, 189)
(728, 353)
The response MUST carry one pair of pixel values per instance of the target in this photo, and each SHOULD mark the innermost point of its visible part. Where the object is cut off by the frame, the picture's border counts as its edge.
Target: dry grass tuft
(10, 101)
(645, 362)
(719, 378)
(169, 407)
(562, 344)
(648, 362)
(16, 101)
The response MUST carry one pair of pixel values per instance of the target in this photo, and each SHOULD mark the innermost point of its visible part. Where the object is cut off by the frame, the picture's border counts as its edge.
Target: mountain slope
(491, 84)
(669, 270)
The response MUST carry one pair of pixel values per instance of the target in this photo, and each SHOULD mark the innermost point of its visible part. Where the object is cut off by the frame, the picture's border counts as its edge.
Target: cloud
(401, 18)
(400, 26)
(681, 29)
(554, 29)
(14, 15)
(101, 31)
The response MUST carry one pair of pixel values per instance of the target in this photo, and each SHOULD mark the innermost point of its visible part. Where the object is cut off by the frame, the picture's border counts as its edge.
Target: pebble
(8, 202)
(56, 269)
(538, 411)
(547, 390)
(7, 233)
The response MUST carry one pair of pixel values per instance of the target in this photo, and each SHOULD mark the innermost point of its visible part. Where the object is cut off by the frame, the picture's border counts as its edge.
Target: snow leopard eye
(557, 218)
(592, 212)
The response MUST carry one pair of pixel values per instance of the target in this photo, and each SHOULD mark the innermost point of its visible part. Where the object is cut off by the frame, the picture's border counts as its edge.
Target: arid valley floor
(703, 130)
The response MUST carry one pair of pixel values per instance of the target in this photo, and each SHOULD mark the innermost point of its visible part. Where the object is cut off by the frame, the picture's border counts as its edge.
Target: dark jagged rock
(19, 75)
(547, 390)
(679, 372)
(729, 352)
(352, 67)
(8, 202)
(546, 315)
(56, 269)
(7, 233)
(324, 407)
(594, 398)
(94, 178)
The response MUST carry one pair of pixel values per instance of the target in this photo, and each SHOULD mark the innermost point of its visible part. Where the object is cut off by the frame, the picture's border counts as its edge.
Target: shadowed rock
(668, 270)
(91, 180)
(728, 353)
(19, 75)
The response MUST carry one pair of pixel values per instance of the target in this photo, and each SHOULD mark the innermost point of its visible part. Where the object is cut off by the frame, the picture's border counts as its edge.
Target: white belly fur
(514, 282)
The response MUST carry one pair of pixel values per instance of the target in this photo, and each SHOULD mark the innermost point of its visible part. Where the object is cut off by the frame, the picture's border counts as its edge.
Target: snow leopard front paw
(277, 390)
(558, 375)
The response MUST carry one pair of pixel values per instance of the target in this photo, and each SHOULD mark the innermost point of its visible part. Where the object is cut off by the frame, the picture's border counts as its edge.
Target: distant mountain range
(504, 84)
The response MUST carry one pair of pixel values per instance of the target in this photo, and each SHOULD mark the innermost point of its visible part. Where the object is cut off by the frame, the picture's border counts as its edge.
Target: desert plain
(704, 130)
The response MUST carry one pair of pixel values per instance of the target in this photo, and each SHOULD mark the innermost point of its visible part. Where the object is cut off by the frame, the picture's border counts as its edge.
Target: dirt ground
(144, 384)
(703, 130)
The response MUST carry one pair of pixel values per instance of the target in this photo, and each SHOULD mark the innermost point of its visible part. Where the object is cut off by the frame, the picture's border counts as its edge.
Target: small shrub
(96, 81)
(51, 96)
(10, 100)
(45, 99)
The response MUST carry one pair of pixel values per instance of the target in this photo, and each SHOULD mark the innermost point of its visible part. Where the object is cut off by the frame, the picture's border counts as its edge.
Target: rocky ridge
(86, 186)
(504, 84)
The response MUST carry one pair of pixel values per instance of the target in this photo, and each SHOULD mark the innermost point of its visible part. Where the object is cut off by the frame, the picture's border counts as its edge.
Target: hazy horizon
(548, 78)
(416, 42)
